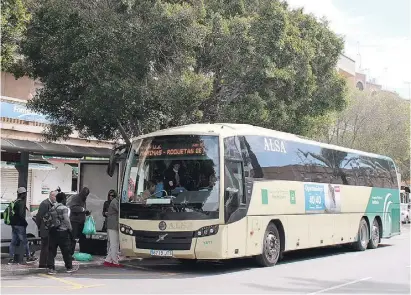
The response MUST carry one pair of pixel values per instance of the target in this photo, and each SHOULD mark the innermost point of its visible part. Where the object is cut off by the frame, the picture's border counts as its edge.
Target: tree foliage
(156, 64)
(376, 122)
(14, 18)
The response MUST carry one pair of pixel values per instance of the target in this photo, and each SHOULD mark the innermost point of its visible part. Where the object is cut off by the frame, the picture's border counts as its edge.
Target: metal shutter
(9, 183)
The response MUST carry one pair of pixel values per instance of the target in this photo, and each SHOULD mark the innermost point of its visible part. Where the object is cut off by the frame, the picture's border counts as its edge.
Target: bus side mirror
(230, 195)
(117, 154)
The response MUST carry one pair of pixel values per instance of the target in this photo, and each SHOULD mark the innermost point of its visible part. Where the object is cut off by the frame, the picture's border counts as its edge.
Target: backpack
(9, 213)
(52, 219)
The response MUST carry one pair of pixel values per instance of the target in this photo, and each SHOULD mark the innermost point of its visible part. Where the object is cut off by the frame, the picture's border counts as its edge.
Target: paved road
(385, 270)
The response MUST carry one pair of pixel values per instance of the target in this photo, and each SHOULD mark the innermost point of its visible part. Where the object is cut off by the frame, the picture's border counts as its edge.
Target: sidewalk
(32, 268)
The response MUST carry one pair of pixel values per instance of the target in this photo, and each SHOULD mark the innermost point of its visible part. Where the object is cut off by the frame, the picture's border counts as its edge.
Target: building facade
(26, 159)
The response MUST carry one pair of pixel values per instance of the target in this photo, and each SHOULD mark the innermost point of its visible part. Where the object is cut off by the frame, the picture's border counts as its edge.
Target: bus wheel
(375, 235)
(363, 236)
(271, 247)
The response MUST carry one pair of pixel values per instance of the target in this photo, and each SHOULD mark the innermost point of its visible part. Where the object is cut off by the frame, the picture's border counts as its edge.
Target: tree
(14, 18)
(156, 64)
(376, 122)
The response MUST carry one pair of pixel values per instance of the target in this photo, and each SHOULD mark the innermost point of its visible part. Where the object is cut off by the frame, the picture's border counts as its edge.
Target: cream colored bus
(222, 191)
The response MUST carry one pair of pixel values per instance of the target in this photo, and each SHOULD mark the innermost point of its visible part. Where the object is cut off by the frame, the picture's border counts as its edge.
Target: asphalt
(334, 270)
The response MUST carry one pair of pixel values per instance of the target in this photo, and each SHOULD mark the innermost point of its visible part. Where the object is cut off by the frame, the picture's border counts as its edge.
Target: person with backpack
(15, 215)
(78, 213)
(44, 207)
(58, 223)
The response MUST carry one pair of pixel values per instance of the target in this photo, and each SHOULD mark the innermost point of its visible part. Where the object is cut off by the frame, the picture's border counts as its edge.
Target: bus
(223, 191)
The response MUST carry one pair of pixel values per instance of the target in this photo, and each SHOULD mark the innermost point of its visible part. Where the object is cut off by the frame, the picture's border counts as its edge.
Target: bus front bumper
(180, 245)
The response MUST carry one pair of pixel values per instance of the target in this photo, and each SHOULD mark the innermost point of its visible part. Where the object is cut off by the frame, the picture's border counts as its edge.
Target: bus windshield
(172, 177)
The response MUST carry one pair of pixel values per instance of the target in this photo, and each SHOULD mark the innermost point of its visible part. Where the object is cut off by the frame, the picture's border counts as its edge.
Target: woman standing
(110, 196)
(112, 231)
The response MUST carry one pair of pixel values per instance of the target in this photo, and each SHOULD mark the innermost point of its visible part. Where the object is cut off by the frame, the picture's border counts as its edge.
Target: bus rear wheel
(375, 235)
(271, 247)
(363, 236)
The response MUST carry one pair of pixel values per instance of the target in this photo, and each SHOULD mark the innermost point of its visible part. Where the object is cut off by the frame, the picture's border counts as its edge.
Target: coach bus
(222, 191)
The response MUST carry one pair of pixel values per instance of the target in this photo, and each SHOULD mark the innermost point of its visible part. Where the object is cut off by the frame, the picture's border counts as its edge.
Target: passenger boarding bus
(222, 191)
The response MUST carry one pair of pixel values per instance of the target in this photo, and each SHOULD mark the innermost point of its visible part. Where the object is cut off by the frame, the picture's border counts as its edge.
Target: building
(26, 159)
(346, 68)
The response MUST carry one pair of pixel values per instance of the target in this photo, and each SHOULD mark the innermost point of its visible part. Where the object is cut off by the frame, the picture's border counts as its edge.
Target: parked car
(32, 231)
(405, 206)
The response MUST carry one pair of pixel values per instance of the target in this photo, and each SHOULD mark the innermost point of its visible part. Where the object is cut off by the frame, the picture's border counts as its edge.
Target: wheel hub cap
(271, 247)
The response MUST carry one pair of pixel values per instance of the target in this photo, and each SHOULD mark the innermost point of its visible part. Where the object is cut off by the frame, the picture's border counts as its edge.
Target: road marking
(34, 286)
(150, 270)
(74, 286)
(339, 286)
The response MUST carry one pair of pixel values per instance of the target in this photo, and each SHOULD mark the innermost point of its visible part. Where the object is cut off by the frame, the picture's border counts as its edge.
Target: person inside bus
(151, 189)
(173, 177)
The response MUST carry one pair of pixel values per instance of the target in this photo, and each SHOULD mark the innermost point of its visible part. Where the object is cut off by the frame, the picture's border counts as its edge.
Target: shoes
(51, 271)
(12, 261)
(31, 259)
(74, 267)
(110, 264)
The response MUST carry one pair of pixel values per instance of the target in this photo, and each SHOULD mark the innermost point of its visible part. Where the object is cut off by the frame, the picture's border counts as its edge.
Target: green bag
(89, 226)
(82, 256)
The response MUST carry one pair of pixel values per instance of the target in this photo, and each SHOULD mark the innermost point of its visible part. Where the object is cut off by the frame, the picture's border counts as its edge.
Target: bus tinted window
(272, 158)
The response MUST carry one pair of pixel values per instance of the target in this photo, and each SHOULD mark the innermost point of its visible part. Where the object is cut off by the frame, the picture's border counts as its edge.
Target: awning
(46, 148)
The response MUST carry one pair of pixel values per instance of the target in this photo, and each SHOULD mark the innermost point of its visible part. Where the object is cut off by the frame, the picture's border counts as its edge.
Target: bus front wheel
(271, 247)
(363, 236)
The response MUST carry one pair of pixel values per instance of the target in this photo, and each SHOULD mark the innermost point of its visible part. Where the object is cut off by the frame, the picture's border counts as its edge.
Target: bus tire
(271, 247)
(375, 235)
(363, 236)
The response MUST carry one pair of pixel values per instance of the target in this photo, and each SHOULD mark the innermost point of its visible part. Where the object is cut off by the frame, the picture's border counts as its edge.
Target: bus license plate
(163, 253)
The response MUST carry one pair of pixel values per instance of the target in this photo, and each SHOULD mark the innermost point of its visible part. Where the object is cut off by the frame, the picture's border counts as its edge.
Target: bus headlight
(125, 229)
(207, 231)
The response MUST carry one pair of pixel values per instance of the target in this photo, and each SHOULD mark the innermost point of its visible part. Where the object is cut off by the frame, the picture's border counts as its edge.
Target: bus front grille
(163, 240)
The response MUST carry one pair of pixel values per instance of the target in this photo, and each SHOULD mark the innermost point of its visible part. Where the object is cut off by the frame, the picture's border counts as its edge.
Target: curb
(25, 269)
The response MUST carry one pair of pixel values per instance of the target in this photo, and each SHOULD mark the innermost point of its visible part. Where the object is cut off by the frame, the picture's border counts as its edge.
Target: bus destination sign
(195, 149)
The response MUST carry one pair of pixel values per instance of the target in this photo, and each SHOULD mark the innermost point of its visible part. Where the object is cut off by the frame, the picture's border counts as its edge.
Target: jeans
(18, 234)
(61, 239)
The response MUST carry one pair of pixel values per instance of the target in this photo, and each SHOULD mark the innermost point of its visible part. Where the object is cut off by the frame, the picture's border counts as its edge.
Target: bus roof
(228, 129)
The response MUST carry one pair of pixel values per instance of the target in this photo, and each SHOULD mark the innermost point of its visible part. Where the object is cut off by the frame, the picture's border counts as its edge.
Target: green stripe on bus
(264, 196)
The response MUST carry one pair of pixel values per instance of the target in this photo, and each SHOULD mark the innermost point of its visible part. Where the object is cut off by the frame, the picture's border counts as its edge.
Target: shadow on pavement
(170, 268)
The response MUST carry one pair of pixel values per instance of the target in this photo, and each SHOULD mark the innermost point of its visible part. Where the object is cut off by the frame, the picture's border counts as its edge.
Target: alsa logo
(274, 145)
(180, 225)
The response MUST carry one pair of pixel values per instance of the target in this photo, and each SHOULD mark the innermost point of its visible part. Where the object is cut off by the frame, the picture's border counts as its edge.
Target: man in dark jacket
(18, 226)
(44, 234)
(78, 213)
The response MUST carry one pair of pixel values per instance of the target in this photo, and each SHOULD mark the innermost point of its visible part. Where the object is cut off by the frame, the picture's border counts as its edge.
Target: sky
(377, 36)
